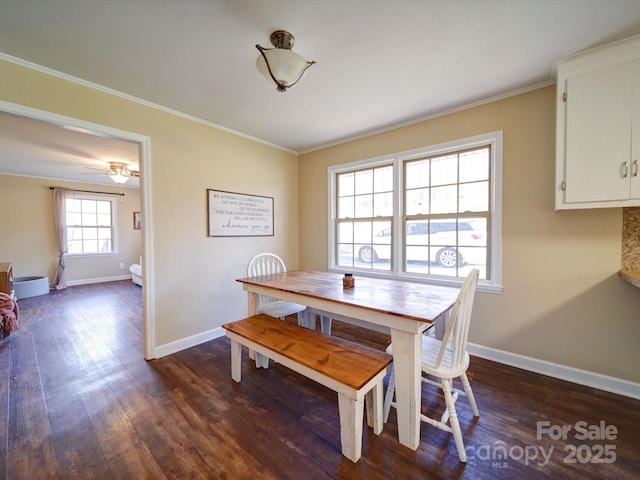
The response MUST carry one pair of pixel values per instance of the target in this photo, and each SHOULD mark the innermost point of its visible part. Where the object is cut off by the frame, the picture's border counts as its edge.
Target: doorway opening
(143, 147)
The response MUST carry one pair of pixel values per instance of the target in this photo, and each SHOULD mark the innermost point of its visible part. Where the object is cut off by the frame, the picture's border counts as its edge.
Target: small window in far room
(90, 225)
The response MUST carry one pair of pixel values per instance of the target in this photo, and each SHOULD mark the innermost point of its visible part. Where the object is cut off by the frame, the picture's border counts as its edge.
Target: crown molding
(101, 88)
(146, 103)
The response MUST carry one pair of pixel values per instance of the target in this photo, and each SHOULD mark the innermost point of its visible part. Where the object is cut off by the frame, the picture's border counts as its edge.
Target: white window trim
(495, 139)
(114, 225)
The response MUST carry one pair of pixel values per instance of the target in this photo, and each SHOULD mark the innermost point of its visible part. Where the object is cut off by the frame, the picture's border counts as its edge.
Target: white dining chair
(446, 360)
(265, 264)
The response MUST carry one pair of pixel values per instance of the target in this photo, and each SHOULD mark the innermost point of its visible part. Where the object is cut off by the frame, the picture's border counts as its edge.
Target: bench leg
(236, 361)
(374, 403)
(351, 426)
(261, 360)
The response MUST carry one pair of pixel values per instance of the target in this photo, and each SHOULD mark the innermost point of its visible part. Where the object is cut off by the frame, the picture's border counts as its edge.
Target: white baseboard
(562, 372)
(86, 281)
(188, 342)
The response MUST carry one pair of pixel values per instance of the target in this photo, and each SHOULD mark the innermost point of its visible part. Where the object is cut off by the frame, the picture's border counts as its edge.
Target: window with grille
(432, 213)
(90, 225)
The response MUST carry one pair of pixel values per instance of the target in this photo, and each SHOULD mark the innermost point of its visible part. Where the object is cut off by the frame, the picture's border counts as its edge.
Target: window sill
(483, 286)
(90, 255)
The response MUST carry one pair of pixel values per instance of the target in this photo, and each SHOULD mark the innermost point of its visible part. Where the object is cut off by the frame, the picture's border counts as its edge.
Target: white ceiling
(380, 63)
(39, 149)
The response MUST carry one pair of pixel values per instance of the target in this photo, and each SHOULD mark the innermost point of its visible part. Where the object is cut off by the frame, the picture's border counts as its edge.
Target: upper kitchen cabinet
(598, 128)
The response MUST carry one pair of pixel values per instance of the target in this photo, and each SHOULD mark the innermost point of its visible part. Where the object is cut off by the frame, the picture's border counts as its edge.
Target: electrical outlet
(122, 266)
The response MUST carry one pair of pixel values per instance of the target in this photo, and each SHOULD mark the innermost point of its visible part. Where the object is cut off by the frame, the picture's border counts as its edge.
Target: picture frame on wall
(232, 214)
(137, 220)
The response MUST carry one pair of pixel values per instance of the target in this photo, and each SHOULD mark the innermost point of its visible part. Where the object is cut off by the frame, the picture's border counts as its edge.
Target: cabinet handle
(635, 168)
(626, 170)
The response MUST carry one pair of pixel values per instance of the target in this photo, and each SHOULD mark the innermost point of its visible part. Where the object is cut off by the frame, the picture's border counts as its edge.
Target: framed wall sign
(239, 215)
(137, 219)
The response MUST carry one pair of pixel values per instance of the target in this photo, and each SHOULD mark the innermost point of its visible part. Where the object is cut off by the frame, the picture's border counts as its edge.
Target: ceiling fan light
(119, 178)
(280, 64)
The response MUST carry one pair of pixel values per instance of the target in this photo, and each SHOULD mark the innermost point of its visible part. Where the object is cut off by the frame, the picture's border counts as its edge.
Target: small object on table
(348, 281)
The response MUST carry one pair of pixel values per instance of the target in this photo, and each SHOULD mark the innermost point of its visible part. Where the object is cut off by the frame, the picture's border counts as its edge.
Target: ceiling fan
(118, 172)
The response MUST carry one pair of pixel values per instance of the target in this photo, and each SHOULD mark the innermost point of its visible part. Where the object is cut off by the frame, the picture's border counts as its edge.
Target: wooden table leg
(307, 319)
(441, 325)
(252, 307)
(374, 402)
(406, 366)
(325, 324)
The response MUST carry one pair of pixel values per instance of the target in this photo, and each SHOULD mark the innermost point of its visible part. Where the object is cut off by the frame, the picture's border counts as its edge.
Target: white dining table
(406, 308)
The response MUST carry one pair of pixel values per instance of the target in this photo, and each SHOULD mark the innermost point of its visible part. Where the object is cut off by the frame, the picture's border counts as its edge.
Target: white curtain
(60, 196)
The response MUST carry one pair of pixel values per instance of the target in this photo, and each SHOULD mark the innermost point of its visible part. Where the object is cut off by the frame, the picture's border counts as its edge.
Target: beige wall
(194, 275)
(28, 237)
(562, 300)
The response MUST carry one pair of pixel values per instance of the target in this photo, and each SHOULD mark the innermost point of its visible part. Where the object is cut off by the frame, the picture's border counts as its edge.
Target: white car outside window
(443, 245)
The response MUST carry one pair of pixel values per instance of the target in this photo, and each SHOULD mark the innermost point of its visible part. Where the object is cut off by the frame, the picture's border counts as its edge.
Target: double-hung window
(432, 213)
(90, 225)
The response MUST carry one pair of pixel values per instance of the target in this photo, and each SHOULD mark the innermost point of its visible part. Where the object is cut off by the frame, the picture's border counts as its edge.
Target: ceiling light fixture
(119, 173)
(281, 64)
(119, 178)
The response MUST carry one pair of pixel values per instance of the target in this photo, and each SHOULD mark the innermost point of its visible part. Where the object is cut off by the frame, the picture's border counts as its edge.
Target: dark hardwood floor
(78, 401)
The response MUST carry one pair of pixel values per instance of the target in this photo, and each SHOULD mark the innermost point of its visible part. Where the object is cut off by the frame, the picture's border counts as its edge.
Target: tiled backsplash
(631, 239)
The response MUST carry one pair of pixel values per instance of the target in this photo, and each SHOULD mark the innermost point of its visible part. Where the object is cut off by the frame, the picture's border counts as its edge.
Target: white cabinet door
(598, 127)
(634, 167)
(598, 135)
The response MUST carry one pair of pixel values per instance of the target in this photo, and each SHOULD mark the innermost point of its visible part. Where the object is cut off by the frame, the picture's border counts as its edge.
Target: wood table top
(401, 298)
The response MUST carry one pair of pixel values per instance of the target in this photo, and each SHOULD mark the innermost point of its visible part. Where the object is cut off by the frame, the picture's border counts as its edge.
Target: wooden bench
(352, 370)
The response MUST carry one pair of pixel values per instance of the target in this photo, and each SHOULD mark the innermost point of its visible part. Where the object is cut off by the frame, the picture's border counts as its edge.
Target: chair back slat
(457, 330)
(265, 264)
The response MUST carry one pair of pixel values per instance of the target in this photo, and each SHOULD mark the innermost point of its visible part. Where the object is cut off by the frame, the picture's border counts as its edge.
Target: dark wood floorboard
(78, 401)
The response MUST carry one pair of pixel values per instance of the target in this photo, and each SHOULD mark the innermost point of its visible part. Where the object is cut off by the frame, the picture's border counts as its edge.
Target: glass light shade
(119, 178)
(286, 66)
